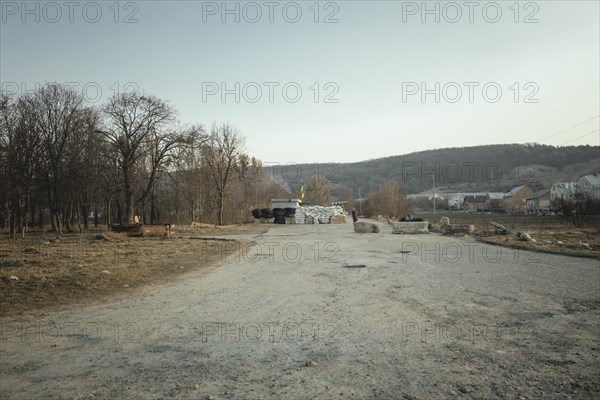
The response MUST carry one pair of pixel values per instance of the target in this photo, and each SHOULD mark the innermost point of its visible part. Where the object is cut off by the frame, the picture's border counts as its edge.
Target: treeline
(70, 164)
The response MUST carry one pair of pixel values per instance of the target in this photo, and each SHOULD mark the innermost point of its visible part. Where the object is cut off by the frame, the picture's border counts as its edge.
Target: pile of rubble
(455, 229)
(319, 215)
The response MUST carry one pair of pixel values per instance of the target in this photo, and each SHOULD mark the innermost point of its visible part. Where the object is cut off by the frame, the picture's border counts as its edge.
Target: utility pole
(433, 173)
(359, 202)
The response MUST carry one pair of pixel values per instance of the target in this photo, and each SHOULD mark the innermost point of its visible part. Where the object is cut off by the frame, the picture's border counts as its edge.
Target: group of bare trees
(389, 200)
(317, 190)
(63, 161)
(579, 209)
(45, 141)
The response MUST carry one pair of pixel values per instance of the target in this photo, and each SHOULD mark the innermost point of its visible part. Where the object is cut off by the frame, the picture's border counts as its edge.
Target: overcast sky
(330, 81)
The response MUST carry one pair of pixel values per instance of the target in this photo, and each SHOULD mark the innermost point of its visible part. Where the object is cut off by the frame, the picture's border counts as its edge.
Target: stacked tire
(266, 213)
(256, 213)
(279, 214)
(289, 212)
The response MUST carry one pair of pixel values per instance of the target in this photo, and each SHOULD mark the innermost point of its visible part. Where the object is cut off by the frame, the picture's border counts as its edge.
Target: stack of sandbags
(300, 216)
(338, 219)
(317, 214)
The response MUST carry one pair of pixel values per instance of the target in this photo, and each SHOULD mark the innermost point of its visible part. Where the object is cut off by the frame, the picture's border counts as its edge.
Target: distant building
(590, 185)
(562, 191)
(515, 200)
(453, 203)
(437, 197)
(539, 202)
(471, 201)
(495, 195)
(285, 203)
(478, 203)
(495, 201)
(456, 201)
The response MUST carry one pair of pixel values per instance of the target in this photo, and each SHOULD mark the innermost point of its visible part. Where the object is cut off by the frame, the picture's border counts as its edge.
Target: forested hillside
(479, 168)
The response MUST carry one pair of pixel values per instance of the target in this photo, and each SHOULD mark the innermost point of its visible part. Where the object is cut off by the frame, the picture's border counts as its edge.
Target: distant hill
(494, 168)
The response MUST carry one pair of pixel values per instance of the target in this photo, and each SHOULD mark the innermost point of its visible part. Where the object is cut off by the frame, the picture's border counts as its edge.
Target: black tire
(289, 212)
(278, 213)
(266, 213)
(256, 213)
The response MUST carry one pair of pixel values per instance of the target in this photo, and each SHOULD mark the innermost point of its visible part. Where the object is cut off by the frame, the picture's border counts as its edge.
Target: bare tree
(389, 200)
(19, 161)
(580, 209)
(184, 183)
(59, 154)
(137, 129)
(46, 138)
(59, 117)
(84, 165)
(249, 186)
(222, 153)
(318, 190)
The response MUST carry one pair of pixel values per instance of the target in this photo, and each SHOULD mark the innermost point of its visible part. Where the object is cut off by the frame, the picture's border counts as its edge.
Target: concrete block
(410, 227)
(366, 227)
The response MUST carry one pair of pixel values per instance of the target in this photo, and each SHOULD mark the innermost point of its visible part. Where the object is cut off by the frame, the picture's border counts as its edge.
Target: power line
(552, 111)
(564, 130)
(587, 134)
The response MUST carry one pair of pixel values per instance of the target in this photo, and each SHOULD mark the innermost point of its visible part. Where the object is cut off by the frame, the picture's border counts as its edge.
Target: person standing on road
(354, 219)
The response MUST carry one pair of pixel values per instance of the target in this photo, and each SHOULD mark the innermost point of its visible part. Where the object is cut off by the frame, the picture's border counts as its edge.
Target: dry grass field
(78, 269)
(43, 271)
(553, 234)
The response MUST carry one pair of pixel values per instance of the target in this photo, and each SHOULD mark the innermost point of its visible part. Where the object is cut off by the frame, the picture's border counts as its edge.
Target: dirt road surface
(321, 312)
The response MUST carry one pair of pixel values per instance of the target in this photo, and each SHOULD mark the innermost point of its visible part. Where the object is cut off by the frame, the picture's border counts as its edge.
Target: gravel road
(321, 312)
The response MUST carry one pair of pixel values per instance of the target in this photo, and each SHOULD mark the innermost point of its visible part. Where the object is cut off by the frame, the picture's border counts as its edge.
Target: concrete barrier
(410, 227)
